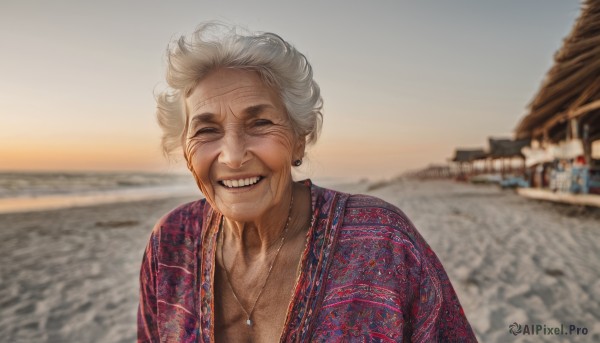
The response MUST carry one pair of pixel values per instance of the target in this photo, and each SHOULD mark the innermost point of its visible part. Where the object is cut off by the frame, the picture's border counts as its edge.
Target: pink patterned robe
(367, 275)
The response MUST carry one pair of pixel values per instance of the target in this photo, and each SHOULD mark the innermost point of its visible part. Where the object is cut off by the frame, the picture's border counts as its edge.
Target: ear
(299, 148)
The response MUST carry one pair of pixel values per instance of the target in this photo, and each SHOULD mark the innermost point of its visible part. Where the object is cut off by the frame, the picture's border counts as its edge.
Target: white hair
(214, 46)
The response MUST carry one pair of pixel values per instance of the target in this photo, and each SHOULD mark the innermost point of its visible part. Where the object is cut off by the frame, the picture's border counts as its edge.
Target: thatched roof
(502, 147)
(468, 155)
(572, 86)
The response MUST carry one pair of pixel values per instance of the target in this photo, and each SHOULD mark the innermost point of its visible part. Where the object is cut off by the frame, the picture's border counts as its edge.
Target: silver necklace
(283, 236)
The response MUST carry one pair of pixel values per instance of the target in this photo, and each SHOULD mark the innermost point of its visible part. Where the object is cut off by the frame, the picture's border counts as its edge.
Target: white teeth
(241, 182)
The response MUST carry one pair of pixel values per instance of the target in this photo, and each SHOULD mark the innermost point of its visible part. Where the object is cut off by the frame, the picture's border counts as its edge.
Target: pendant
(248, 322)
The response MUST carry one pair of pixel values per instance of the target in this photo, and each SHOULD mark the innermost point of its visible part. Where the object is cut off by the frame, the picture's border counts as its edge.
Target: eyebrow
(253, 111)
(249, 113)
(203, 118)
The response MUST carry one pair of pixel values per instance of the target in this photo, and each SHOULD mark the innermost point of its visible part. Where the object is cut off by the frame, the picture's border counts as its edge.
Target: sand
(71, 275)
(510, 259)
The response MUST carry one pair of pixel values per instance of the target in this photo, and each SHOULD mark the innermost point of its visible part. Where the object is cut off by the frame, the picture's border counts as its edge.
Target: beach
(71, 275)
(510, 259)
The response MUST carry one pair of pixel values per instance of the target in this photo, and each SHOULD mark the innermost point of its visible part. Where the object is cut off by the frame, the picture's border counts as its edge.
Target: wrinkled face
(240, 144)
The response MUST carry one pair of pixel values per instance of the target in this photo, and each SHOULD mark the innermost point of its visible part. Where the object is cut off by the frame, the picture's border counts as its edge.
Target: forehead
(234, 88)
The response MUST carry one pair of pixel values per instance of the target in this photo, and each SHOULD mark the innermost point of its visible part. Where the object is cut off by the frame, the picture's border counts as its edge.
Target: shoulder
(375, 228)
(182, 222)
(361, 206)
(183, 214)
(366, 213)
(365, 222)
(379, 237)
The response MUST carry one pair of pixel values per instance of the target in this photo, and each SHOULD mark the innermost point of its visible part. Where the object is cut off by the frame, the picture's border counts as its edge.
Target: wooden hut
(462, 166)
(508, 153)
(564, 117)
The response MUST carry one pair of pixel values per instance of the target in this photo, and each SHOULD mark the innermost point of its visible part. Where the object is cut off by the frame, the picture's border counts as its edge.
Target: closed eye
(262, 122)
(206, 130)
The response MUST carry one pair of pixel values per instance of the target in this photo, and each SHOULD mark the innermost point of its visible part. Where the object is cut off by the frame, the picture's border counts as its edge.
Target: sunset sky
(404, 82)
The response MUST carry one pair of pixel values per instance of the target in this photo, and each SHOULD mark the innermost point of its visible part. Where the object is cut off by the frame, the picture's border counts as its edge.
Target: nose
(233, 150)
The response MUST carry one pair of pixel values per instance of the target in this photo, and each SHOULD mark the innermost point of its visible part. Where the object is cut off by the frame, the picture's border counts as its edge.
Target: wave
(30, 191)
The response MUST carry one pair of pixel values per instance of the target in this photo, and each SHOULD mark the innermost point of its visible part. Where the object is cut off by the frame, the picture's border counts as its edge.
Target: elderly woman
(264, 258)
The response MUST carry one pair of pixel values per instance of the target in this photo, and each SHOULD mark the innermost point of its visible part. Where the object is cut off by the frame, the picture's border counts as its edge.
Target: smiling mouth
(241, 183)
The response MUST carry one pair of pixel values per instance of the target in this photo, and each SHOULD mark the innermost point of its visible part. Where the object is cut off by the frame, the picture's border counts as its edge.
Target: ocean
(36, 191)
(32, 191)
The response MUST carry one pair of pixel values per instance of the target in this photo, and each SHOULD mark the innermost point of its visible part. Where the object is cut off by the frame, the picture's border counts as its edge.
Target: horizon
(404, 84)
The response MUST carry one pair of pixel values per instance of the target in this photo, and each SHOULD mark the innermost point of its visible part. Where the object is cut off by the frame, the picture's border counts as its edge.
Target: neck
(260, 237)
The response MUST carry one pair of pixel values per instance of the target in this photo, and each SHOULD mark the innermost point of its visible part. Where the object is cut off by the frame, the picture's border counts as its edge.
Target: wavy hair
(215, 45)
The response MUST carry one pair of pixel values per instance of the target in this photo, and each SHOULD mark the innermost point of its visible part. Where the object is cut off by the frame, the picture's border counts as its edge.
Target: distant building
(463, 165)
(563, 122)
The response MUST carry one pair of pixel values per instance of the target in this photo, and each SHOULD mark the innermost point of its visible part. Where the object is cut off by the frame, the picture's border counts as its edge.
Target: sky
(404, 82)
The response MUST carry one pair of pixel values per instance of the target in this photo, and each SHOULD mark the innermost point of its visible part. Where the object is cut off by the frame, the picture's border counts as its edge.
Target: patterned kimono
(367, 275)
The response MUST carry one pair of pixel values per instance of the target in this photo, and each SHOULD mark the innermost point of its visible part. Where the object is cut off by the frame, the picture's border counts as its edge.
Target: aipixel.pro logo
(543, 329)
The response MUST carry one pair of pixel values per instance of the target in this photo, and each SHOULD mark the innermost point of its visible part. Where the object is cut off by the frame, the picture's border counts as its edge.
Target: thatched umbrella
(506, 150)
(464, 159)
(571, 89)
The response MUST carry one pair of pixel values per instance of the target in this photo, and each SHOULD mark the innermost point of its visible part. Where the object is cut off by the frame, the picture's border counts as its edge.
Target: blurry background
(404, 82)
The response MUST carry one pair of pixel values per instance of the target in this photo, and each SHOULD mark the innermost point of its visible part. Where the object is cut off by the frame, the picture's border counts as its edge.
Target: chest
(263, 296)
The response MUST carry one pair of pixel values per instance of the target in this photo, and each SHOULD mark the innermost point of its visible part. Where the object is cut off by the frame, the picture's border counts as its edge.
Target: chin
(242, 212)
